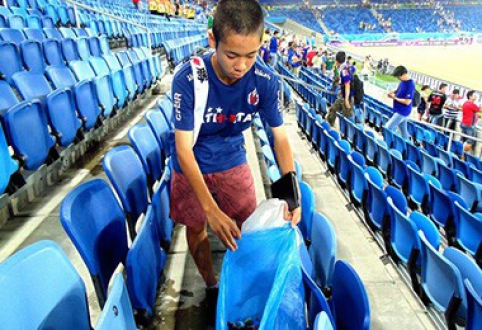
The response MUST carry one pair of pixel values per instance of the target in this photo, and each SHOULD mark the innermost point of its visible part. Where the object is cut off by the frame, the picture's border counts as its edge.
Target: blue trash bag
(262, 280)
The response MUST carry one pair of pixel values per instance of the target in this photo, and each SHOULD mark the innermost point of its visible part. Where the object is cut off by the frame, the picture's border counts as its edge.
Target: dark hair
(239, 17)
(424, 87)
(340, 57)
(456, 92)
(399, 71)
(442, 86)
(276, 32)
(470, 93)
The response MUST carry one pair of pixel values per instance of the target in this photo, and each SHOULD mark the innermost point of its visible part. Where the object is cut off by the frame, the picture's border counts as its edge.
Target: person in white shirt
(452, 106)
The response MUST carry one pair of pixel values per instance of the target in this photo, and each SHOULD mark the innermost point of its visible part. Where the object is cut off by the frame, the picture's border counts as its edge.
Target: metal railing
(81, 5)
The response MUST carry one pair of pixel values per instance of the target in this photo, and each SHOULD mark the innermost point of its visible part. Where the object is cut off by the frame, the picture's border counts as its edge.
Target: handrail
(81, 5)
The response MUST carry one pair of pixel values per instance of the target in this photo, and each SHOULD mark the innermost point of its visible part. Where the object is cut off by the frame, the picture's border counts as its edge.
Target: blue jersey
(273, 45)
(405, 90)
(229, 111)
(345, 78)
(292, 53)
(265, 51)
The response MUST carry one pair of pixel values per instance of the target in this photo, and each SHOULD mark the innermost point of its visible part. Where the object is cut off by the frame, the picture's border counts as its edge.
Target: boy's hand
(224, 228)
(293, 216)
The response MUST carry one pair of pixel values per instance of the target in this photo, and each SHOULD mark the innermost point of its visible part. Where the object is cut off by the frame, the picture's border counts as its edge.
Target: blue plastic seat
(9, 166)
(31, 85)
(157, 122)
(7, 97)
(160, 208)
(52, 33)
(144, 262)
(16, 22)
(11, 62)
(316, 301)
(268, 156)
(323, 251)
(457, 148)
(447, 177)
(441, 280)
(476, 174)
(471, 192)
(119, 88)
(331, 150)
(32, 56)
(413, 154)
(95, 222)
(461, 166)
(27, 298)
(136, 69)
(67, 33)
(343, 167)
(124, 170)
(442, 210)
(94, 46)
(474, 307)
(69, 50)
(83, 48)
(371, 149)
(350, 131)
(469, 270)
(60, 76)
(32, 148)
(398, 170)
(383, 157)
(34, 34)
(166, 107)
(474, 160)
(430, 149)
(129, 79)
(388, 137)
(350, 299)
(400, 144)
(468, 229)
(376, 206)
(359, 185)
(87, 104)
(360, 138)
(446, 157)
(14, 36)
(117, 312)
(52, 52)
(307, 210)
(429, 164)
(418, 188)
(263, 138)
(274, 173)
(145, 144)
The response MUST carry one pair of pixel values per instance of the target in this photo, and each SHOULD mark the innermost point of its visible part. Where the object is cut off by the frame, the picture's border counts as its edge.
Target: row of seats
(386, 210)
(51, 11)
(331, 286)
(302, 16)
(347, 21)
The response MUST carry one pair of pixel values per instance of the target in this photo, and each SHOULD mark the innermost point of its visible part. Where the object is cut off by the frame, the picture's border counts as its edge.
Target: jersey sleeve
(270, 109)
(345, 76)
(407, 92)
(183, 99)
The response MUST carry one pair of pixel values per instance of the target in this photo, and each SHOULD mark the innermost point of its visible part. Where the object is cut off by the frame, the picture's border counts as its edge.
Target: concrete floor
(179, 305)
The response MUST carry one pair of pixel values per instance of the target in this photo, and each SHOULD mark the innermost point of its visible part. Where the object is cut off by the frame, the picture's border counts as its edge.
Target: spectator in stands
(344, 104)
(153, 7)
(436, 102)
(264, 51)
(273, 48)
(312, 52)
(294, 60)
(266, 35)
(470, 116)
(330, 63)
(317, 63)
(238, 88)
(402, 101)
(367, 68)
(452, 107)
(137, 4)
(422, 107)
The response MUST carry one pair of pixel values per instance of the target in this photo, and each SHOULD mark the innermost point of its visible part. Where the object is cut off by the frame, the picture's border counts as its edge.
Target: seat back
(69, 50)
(14, 36)
(117, 312)
(403, 233)
(32, 56)
(87, 103)
(470, 192)
(323, 250)
(94, 221)
(94, 45)
(441, 280)
(461, 166)
(429, 164)
(469, 229)
(350, 299)
(474, 307)
(160, 208)
(34, 34)
(376, 205)
(41, 280)
(440, 206)
(31, 85)
(10, 63)
(82, 70)
(83, 48)
(124, 170)
(9, 166)
(7, 97)
(28, 133)
(60, 76)
(144, 142)
(307, 209)
(144, 260)
(53, 52)
(447, 177)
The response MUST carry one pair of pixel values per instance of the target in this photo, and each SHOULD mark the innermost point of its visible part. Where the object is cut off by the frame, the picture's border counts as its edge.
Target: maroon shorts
(233, 189)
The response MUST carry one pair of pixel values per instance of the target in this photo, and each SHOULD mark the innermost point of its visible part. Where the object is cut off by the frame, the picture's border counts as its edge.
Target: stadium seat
(124, 170)
(476, 174)
(446, 157)
(88, 104)
(129, 79)
(144, 261)
(307, 210)
(398, 170)
(350, 300)
(7, 97)
(83, 48)
(136, 69)
(323, 252)
(95, 222)
(447, 177)
(165, 105)
(52, 33)
(468, 229)
(9, 166)
(371, 149)
(53, 52)
(10, 63)
(418, 188)
(67, 33)
(117, 312)
(94, 46)
(474, 160)
(16, 22)
(69, 50)
(101, 68)
(359, 185)
(160, 208)
(28, 300)
(145, 144)
(268, 156)
(14, 36)
(441, 281)
(34, 34)
(376, 205)
(343, 165)
(32, 56)
(461, 166)
(429, 164)
(60, 76)
(383, 157)
(413, 154)
(442, 210)
(474, 307)
(33, 148)
(471, 192)
(32, 85)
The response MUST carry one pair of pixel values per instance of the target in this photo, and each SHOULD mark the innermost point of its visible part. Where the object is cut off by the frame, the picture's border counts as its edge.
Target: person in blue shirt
(211, 182)
(344, 103)
(402, 101)
(294, 59)
(273, 48)
(264, 51)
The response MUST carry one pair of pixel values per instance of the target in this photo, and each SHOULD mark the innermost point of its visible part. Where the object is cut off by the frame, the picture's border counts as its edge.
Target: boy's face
(235, 55)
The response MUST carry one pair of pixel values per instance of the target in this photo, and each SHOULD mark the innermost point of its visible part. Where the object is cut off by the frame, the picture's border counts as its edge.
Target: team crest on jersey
(253, 97)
